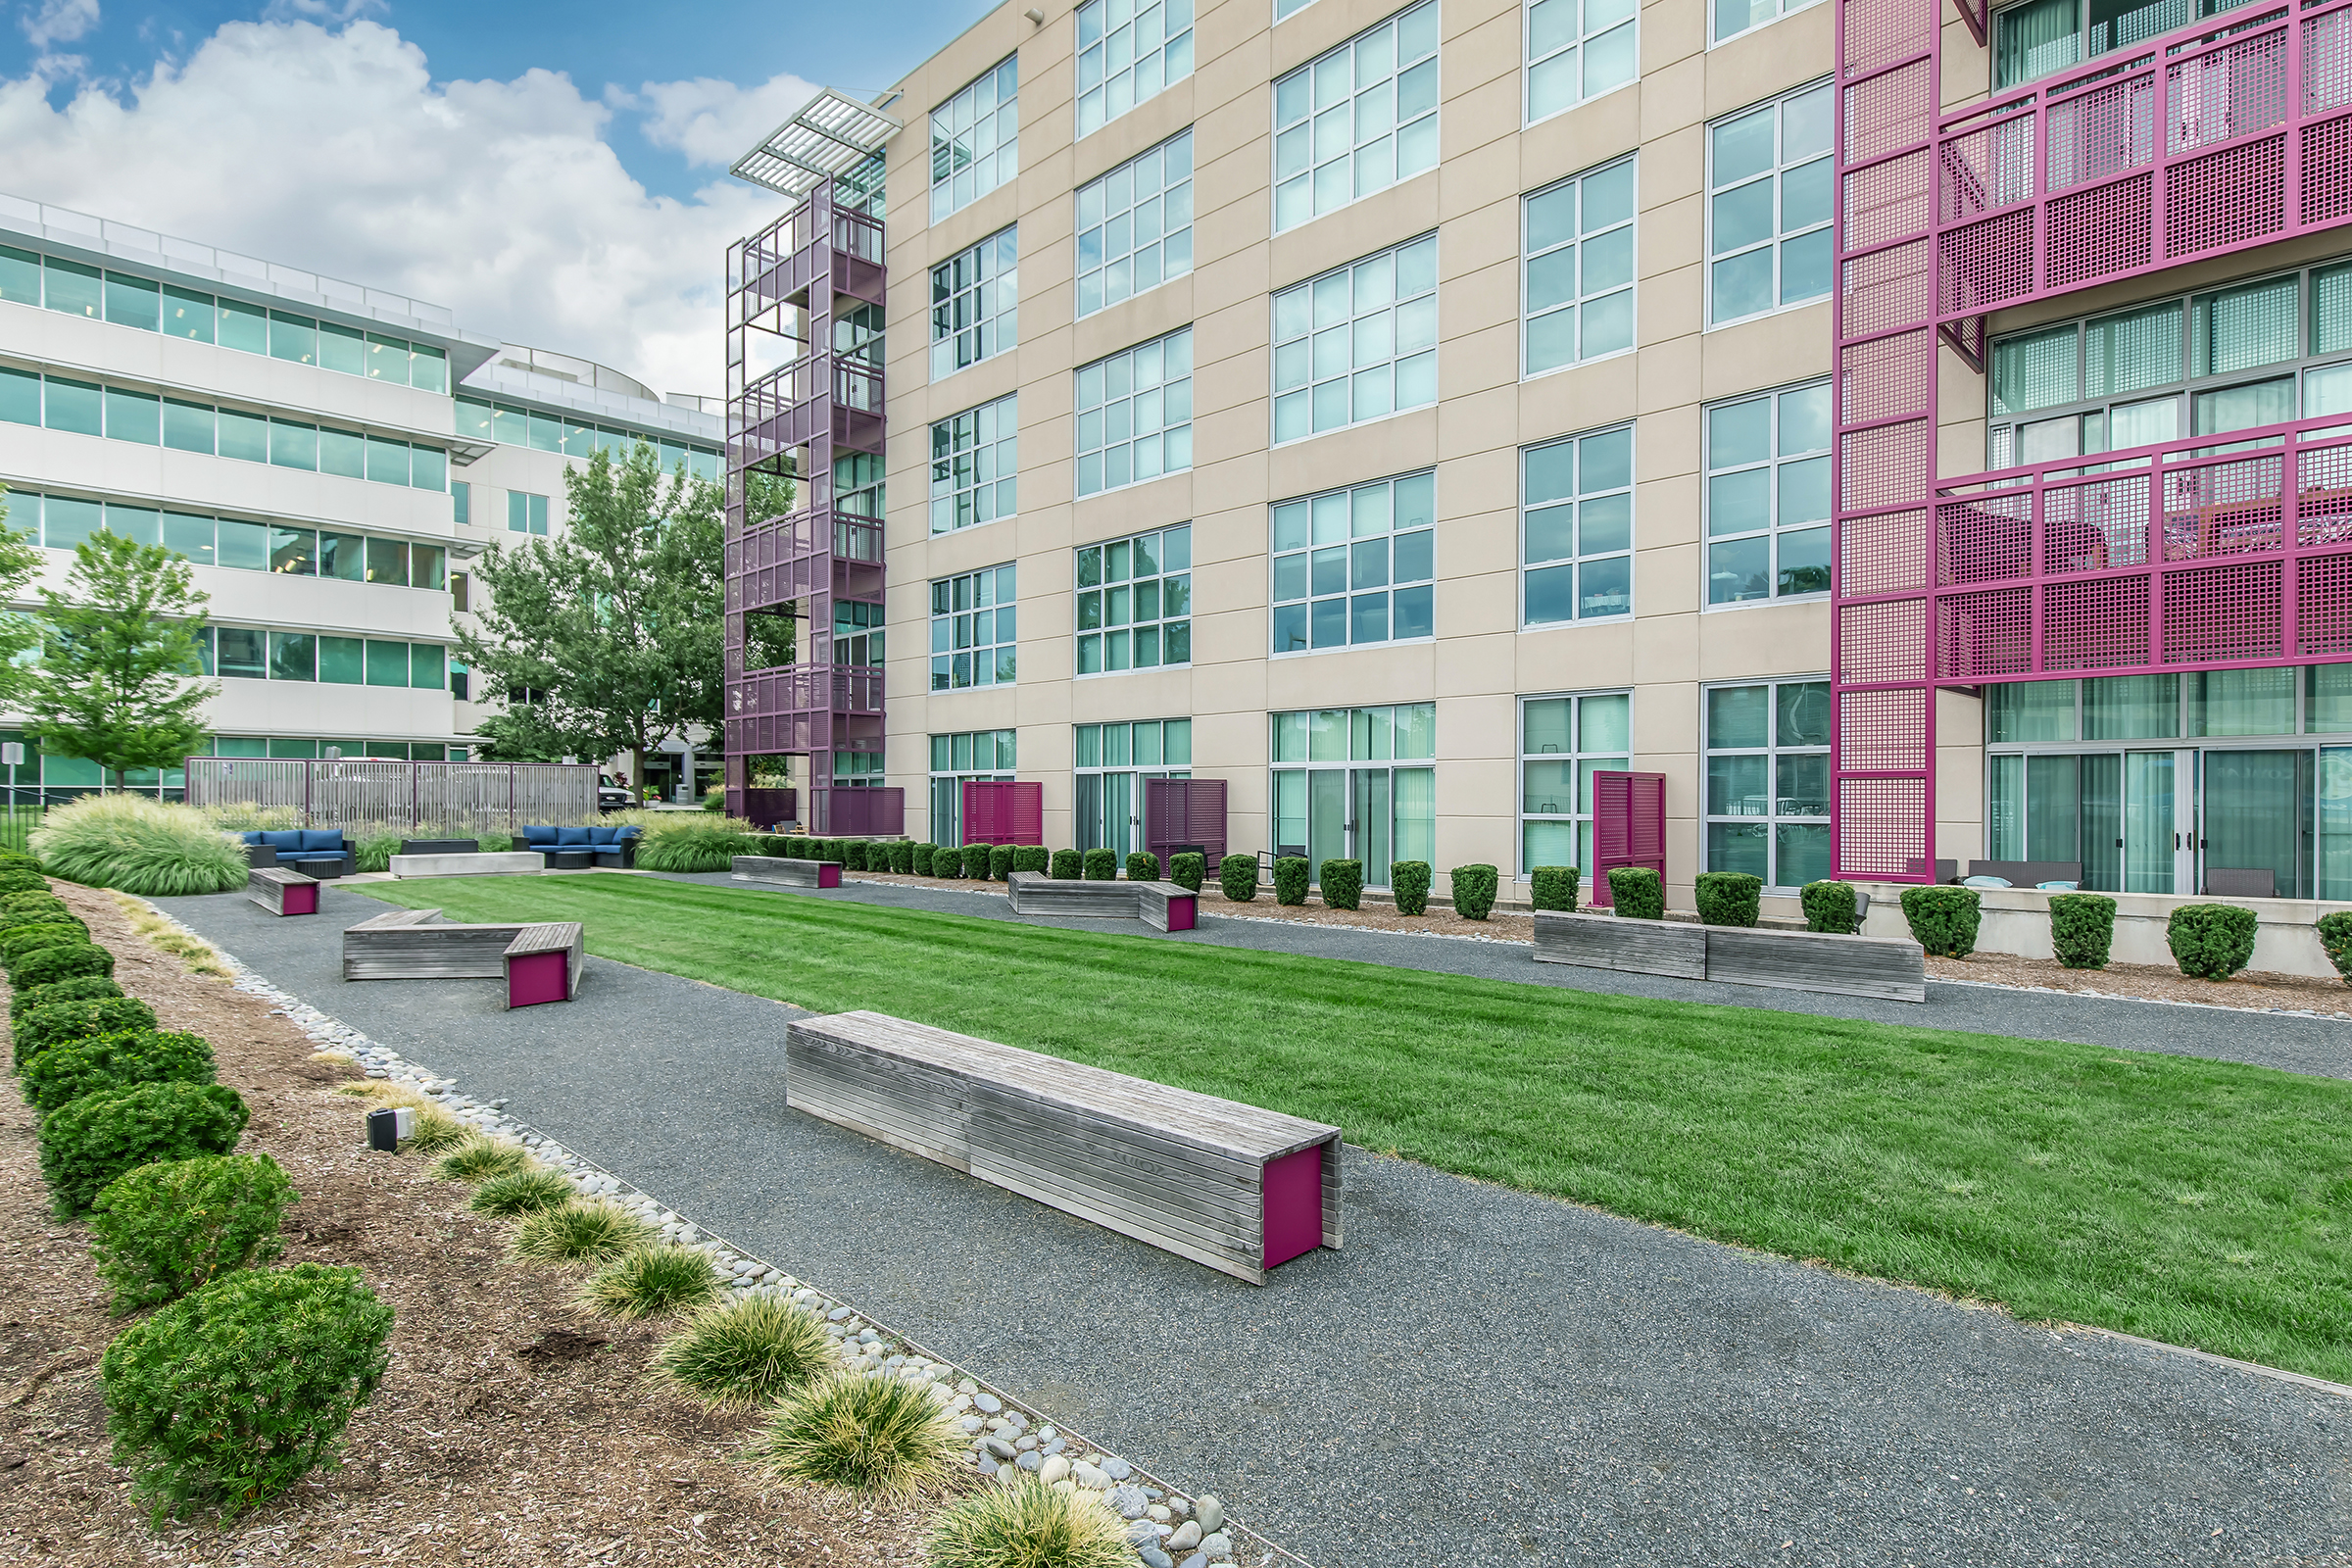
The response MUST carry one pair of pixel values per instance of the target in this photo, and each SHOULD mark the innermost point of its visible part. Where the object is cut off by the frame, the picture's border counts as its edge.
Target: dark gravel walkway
(1483, 1376)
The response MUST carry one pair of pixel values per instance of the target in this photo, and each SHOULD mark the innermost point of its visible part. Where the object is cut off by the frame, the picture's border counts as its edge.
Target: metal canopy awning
(826, 138)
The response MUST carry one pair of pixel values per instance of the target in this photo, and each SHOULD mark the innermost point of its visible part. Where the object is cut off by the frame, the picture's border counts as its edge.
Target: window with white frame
(1578, 528)
(1577, 242)
(973, 630)
(1768, 781)
(975, 138)
(1578, 49)
(972, 757)
(1357, 343)
(974, 462)
(1768, 207)
(857, 633)
(1358, 120)
(1356, 784)
(1768, 496)
(1134, 225)
(1135, 413)
(1127, 52)
(1563, 741)
(1135, 602)
(525, 513)
(975, 304)
(1284, 9)
(1731, 18)
(1110, 764)
(1355, 567)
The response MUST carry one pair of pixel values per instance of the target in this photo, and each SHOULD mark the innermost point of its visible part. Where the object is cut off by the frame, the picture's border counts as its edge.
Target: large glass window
(975, 304)
(1357, 343)
(975, 139)
(1127, 53)
(976, 461)
(525, 513)
(973, 630)
(2033, 39)
(1135, 224)
(1355, 567)
(1135, 413)
(1578, 49)
(1577, 528)
(1731, 18)
(1768, 207)
(59, 522)
(1111, 763)
(1356, 784)
(252, 653)
(1578, 245)
(985, 756)
(1563, 741)
(1768, 496)
(1768, 781)
(1135, 603)
(480, 419)
(2265, 352)
(1358, 120)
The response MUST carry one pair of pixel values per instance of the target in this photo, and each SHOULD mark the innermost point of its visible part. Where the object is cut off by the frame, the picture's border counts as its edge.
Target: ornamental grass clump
(1943, 920)
(58, 1022)
(2211, 941)
(436, 1131)
(1343, 883)
(89, 1141)
(1554, 887)
(1189, 870)
(1637, 893)
(2081, 929)
(1067, 865)
(520, 1193)
(161, 1231)
(594, 1232)
(81, 988)
(45, 965)
(375, 851)
(1028, 1524)
(228, 1398)
(1832, 906)
(868, 1432)
(62, 1074)
(1474, 889)
(703, 847)
(1408, 883)
(652, 1282)
(139, 845)
(743, 1354)
(479, 1159)
(1729, 898)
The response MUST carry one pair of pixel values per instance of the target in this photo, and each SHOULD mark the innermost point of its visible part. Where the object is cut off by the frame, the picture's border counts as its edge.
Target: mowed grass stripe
(2194, 1202)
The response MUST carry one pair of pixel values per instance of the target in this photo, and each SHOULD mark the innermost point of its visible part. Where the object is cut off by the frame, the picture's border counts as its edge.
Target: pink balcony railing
(2234, 131)
(2202, 553)
(807, 688)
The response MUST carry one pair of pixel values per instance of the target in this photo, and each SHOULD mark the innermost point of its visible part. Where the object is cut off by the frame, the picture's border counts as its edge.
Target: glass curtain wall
(1356, 783)
(1111, 761)
(976, 755)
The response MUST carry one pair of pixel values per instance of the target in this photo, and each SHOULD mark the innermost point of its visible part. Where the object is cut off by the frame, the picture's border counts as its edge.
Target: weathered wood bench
(282, 891)
(539, 961)
(786, 872)
(1161, 905)
(1230, 1186)
(1887, 967)
(503, 862)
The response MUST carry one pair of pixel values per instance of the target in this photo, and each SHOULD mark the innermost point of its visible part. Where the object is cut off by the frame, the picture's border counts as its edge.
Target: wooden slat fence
(363, 795)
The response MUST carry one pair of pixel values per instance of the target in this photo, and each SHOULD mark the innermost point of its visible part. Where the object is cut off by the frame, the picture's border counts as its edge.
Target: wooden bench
(539, 961)
(786, 872)
(503, 862)
(282, 891)
(1887, 967)
(1230, 1186)
(1162, 906)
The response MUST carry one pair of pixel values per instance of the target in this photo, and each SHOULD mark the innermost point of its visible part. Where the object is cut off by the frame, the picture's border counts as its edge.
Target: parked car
(613, 795)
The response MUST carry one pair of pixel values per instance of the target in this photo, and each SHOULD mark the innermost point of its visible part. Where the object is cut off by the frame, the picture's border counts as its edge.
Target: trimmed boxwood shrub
(89, 1141)
(853, 855)
(2211, 941)
(17, 941)
(1474, 888)
(1236, 877)
(1031, 858)
(1000, 862)
(65, 1073)
(228, 1398)
(81, 988)
(1831, 907)
(2081, 929)
(1409, 881)
(1143, 866)
(1289, 879)
(45, 965)
(1342, 884)
(1638, 892)
(1102, 865)
(162, 1231)
(946, 861)
(1729, 898)
(1554, 886)
(1189, 870)
(2336, 940)
(975, 861)
(920, 859)
(1068, 866)
(61, 1021)
(1943, 920)
(21, 880)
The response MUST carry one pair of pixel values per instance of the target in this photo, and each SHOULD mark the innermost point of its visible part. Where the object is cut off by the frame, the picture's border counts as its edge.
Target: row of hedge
(245, 1379)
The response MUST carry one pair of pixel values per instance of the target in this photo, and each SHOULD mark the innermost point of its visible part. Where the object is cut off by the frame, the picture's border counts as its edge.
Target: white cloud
(713, 122)
(60, 21)
(334, 151)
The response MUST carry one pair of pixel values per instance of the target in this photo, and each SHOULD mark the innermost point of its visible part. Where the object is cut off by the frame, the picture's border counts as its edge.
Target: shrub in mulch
(163, 1230)
(89, 1141)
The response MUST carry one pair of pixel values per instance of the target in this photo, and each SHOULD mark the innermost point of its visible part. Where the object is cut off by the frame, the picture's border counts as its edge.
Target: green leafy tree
(617, 627)
(19, 563)
(118, 679)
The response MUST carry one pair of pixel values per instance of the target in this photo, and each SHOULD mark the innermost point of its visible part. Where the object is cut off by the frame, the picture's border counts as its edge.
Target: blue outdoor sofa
(321, 852)
(614, 847)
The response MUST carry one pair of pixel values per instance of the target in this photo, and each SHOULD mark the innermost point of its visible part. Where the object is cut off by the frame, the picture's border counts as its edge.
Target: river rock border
(1167, 1528)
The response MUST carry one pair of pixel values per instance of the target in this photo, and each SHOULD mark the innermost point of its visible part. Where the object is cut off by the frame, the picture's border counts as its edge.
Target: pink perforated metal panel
(1886, 553)
(1985, 634)
(1882, 829)
(2328, 62)
(2224, 509)
(2327, 173)
(1986, 538)
(1888, 288)
(1883, 642)
(2098, 624)
(2324, 606)
(1888, 376)
(1885, 730)
(2101, 131)
(1876, 33)
(2238, 89)
(1988, 264)
(2226, 199)
(1886, 201)
(2102, 230)
(1884, 466)
(2224, 614)
(2324, 496)
(1888, 112)
(2094, 524)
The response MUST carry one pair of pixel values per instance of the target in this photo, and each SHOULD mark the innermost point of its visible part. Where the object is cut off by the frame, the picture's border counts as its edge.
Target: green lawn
(2196, 1201)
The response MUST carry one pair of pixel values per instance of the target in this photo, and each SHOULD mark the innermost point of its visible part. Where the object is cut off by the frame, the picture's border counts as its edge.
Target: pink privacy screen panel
(1294, 1202)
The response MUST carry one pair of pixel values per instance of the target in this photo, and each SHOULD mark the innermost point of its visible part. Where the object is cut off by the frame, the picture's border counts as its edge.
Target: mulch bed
(509, 1431)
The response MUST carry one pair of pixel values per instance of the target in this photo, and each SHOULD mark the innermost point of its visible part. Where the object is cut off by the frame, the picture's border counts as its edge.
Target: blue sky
(554, 174)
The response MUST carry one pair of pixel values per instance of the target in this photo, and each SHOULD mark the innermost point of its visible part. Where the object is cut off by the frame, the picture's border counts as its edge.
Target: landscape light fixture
(387, 1127)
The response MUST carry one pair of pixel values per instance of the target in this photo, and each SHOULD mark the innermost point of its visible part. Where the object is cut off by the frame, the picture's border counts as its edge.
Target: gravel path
(1482, 1377)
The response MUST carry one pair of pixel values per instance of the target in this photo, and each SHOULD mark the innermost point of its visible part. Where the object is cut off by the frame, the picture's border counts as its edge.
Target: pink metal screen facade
(2230, 133)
